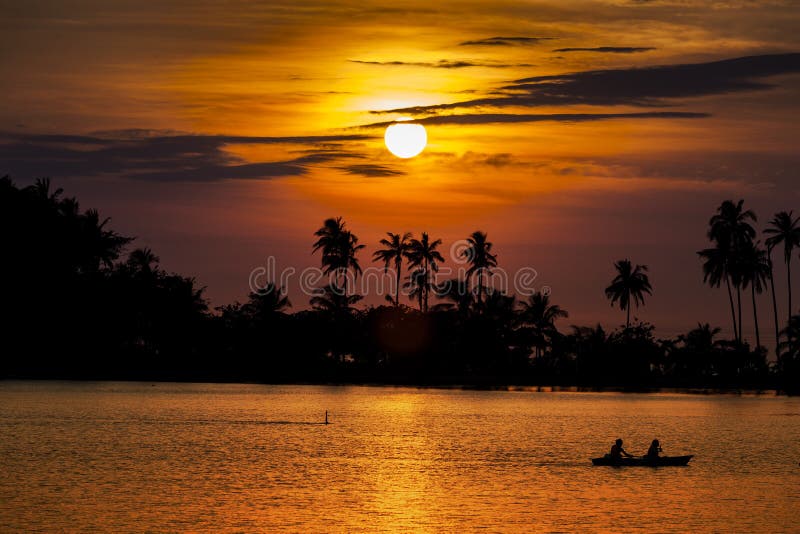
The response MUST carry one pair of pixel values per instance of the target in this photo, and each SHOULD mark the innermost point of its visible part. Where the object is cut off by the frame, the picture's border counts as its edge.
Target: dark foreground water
(199, 457)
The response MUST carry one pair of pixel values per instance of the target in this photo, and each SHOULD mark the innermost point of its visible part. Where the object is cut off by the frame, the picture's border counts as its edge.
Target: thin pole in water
(326, 417)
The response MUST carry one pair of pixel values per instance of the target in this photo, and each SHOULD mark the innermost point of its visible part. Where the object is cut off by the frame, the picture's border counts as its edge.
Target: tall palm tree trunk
(399, 266)
(426, 286)
(774, 301)
(733, 309)
(739, 305)
(789, 283)
(755, 315)
(628, 316)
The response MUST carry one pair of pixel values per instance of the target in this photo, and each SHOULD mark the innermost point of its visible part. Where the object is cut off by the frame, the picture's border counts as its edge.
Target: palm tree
(755, 268)
(700, 339)
(785, 229)
(730, 229)
(422, 253)
(186, 294)
(416, 286)
(694, 355)
(41, 189)
(715, 269)
(102, 246)
(331, 299)
(144, 261)
(396, 251)
(349, 254)
(339, 248)
(500, 309)
(457, 292)
(540, 316)
(774, 300)
(631, 283)
(789, 360)
(730, 224)
(480, 257)
(271, 301)
(791, 335)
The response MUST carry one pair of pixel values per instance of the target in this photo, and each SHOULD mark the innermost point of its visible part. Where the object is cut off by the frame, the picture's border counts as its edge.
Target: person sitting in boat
(617, 451)
(654, 450)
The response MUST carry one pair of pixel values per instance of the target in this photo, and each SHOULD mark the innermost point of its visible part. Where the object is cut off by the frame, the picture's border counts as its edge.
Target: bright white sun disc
(405, 140)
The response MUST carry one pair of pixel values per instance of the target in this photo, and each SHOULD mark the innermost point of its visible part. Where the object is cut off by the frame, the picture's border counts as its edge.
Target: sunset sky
(574, 133)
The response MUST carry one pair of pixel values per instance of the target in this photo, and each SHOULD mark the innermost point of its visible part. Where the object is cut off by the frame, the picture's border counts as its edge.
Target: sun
(405, 140)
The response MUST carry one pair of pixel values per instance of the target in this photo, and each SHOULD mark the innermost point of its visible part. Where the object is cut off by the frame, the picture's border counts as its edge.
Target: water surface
(176, 457)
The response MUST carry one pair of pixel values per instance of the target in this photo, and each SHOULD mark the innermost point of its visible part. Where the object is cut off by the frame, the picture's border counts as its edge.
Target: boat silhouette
(643, 461)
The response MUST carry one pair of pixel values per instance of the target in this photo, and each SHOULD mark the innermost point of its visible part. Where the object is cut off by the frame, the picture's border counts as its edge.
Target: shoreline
(511, 388)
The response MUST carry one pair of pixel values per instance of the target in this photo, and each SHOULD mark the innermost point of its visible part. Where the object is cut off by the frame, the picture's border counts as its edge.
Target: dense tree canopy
(75, 305)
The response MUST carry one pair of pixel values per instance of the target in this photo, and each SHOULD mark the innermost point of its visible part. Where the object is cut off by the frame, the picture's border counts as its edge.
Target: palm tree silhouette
(538, 314)
(791, 335)
(415, 285)
(755, 267)
(143, 261)
(700, 339)
(41, 189)
(349, 260)
(339, 248)
(457, 292)
(774, 300)
(785, 229)
(789, 360)
(269, 302)
(332, 299)
(480, 257)
(500, 309)
(730, 229)
(422, 253)
(101, 246)
(715, 269)
(631, 283)
(396, 251)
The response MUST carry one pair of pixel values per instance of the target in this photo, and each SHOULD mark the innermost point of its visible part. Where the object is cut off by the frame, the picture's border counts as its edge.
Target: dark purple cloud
(497, 118)
(609, 49)
(643, 87)
(140, 155)
(506, 41)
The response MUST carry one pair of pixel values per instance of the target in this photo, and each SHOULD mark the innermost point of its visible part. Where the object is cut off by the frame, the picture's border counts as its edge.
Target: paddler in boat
(617, 452)
(654, 450)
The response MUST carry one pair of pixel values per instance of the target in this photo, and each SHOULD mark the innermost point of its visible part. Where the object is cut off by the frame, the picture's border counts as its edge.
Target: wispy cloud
(370, 170)
(644, 87)
(498, 118)
(137, 154)
(609, 49)
(441, 64)
(506, 41)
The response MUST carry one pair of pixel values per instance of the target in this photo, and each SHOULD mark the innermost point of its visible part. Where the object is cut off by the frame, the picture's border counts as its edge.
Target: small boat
(643, 461)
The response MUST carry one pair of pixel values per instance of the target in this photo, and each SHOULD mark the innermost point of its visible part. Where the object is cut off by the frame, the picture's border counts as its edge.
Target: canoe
(643, 461)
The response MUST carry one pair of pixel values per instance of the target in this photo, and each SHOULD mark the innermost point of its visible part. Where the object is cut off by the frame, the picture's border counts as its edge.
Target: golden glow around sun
(405, 140)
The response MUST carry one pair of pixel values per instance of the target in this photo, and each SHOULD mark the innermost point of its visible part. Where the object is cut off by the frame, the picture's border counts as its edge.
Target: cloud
(644, 87)
(370, 170)
(441, 64)
(141, 155)
(775, 168)
(497, 118)
(609, 49)
(506, 41)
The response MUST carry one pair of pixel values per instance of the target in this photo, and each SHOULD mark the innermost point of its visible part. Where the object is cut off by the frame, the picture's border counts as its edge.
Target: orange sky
(565, 195)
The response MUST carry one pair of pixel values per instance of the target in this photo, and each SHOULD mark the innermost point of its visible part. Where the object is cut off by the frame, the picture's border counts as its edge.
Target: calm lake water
(200, 457)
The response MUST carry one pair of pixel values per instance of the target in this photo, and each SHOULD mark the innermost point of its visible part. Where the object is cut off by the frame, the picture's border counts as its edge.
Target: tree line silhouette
(75, 306)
